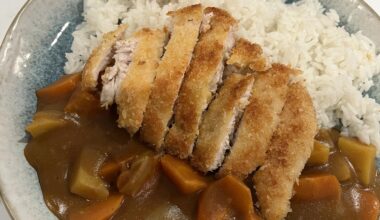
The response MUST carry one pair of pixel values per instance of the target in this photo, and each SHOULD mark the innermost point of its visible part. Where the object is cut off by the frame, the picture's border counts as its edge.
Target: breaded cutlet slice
(247, 54)
(170, 73)
(259, 121)
(100, 58)
(288, 152)
(219, 122)
(134, 91)
(201, 81)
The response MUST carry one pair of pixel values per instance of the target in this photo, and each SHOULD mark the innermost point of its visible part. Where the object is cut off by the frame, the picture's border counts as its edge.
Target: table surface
(9, 9)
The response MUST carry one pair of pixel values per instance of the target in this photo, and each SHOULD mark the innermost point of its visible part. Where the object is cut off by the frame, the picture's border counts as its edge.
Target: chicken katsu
(219, 122)
(170, 73)
(114, 75)
(184, 122)
(133, 95)
(288, 152)
(246, 54)
(201, 82)
(100, 58)
(252, 138)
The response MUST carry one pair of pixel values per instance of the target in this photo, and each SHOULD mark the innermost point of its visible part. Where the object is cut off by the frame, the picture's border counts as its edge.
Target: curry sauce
(54, 154)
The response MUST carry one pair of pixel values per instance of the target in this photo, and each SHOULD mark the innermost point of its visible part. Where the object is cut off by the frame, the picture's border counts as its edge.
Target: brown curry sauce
(54, 153)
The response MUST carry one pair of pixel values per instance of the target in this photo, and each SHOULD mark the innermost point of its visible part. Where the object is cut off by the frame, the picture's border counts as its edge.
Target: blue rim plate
(32, 55)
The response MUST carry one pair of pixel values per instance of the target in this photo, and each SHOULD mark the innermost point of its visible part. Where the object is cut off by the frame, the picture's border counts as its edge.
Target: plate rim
(6, 38)
(8, 35)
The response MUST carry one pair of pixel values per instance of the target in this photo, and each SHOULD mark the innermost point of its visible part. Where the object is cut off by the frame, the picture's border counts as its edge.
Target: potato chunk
(182, 174)
(85, 181)
(361, 156)
(45, 121)
(319, 155)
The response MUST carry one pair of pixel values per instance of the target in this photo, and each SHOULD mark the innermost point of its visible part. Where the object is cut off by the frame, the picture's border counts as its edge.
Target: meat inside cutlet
(115, 74)
(246, 54)
(100, 58)
(201, 81)
(133, 94)
(259, 122)
(219, 121)
(288, 153)
(170, 73)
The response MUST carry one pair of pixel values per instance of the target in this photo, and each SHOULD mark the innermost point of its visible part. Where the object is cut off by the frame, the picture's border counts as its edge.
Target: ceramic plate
(33, 55)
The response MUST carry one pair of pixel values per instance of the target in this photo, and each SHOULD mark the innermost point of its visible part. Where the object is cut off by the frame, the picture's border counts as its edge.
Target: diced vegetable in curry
(99, 210)
(45, 121)
(183, 175)
(59, 89)
(361, 156)
(319, 155)
(340, 167)
(140, 178)
(227, 198)
(317, 187)
(85, 180)
(101, 173)
(369, 206)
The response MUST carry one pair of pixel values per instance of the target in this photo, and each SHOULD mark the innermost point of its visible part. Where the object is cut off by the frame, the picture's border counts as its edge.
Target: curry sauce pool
(54, 154)
(78, 146)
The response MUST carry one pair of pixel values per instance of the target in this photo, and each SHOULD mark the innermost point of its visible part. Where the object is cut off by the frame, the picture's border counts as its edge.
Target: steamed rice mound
(338, 67)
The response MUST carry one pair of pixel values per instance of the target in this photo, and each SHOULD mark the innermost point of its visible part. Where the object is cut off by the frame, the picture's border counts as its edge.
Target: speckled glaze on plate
(33, 55)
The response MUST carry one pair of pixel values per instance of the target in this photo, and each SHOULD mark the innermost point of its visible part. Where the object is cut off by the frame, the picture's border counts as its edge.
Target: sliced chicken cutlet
(259, 122)
(170, 73)
(219, 121)
(133, 94)
(201, 81)
(114, 75)
(100, 58)
(246, 54)
(288, 152)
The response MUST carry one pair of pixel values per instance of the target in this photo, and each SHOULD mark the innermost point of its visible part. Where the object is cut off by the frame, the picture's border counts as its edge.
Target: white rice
(337, 66)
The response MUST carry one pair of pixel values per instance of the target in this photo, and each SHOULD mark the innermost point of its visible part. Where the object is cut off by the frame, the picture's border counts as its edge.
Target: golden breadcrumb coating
(247, 54)
(100, 57)
(133, 95)
(170, 73)
(206, 69)
(258, 123)
(219, 122)
(288, 153)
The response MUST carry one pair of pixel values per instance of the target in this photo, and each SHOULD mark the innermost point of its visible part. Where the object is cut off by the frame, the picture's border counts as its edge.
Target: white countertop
(9, 9)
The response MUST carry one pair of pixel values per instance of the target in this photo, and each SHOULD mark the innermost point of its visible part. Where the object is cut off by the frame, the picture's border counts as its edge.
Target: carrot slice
(83, 102)
(101, 210)
(182, 174)
(110, 170)
(369, 206)
(227, 198)
(317, 187)
(61, 88)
